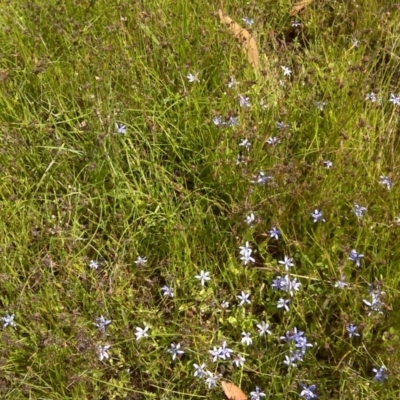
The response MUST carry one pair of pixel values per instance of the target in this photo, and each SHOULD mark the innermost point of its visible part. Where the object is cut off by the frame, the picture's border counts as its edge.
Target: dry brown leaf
(232, 392)
(247, 41)
(297, 7)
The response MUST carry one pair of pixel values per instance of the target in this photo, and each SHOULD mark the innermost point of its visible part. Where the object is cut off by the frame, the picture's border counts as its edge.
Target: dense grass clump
(172, 218)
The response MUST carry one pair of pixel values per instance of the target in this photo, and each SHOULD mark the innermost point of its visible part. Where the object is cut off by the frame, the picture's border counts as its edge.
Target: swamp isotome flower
(394, 99)
(141, 261)
(239, 361)
(244, 101)
(282, 303)
(296, 24)
(372, 97)
(218, 121)
(352, 329)
(317, 216)
(274, 233)
(193, 77)
(175, 350)
(225, 304)
(141, 333)
(282, 125)
(328, 164)
(203, 277)
(287, 262)
(320, 105)
(248, 21)
(245, 143)
(286, 71)
(93, 264)
(102, 352)
(244, 298)
(273, 141)
(385, 181)
(308, 392)
(221, 352)
(231, 82)
(257, 394)
(246, 338)
(380, 375)
(120, 128)
(376, 304)
(8, 320)
(356, 257)
(102, 323)
(200, 371)
(262, 179)
(211, 380)
(286, 284)
(341, 284)
(250, 219)
(167, 291)
(245, 252)
(263, 328)
(358, 210)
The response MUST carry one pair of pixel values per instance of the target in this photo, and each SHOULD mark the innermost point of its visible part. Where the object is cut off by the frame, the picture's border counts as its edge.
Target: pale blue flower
(203, 277)
(380, 375)
(120, 128)
(102, 323)
(352, 329)
(282, 303)
(141, 261)
(8, 320)
(200, 370)
(167, 291)
(248, 21)
(239, 361)
(328, 164)
(356, 257)
(263, 328)
(386, 181)
(141, 333)
(257, 394)
(245, 143)
(308, 392)
(244, 298)
(246, 338)
(287, 262)
(274, 233)
(244, 101)
(286, 71)
(273, 141)
(317, 216)
(296, 24)
(193, 77)
(358, 210)
(175, 350)
(102, 352)
(394, 99)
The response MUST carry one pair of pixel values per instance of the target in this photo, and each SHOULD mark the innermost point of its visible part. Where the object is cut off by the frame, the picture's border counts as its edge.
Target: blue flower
(356, 257)
(352, 329)
(317, 216)
(308, 392)
(380, 375)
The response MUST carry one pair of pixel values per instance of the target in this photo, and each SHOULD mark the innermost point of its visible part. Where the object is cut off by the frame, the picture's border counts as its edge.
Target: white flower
(287, 262)
(282, 303)
(102, 323)
(246, 338)
(167, 291)
(8, 320)
(257, 394)
(248, 21)
(203, 277)
(200, 370)
(245, 143)
(225, 304)
(263, 328)
(244, 298)
(193, 77)
(141, 261)
(244, 101)
(175, 350)
(141, 333)
(239, 361)
(93, 264)
(286, 71)
(211, 380)
(102, 352)
(250, 219)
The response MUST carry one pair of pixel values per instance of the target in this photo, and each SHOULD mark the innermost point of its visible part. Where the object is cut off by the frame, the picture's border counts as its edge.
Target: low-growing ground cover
(172, 218)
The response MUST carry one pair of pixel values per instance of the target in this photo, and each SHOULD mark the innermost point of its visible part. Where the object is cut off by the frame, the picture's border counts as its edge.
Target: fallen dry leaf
(297, 7)
(232, 392)
(247, 41)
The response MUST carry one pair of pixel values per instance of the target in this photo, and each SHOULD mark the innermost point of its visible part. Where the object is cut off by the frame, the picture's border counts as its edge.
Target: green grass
(73, 190)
